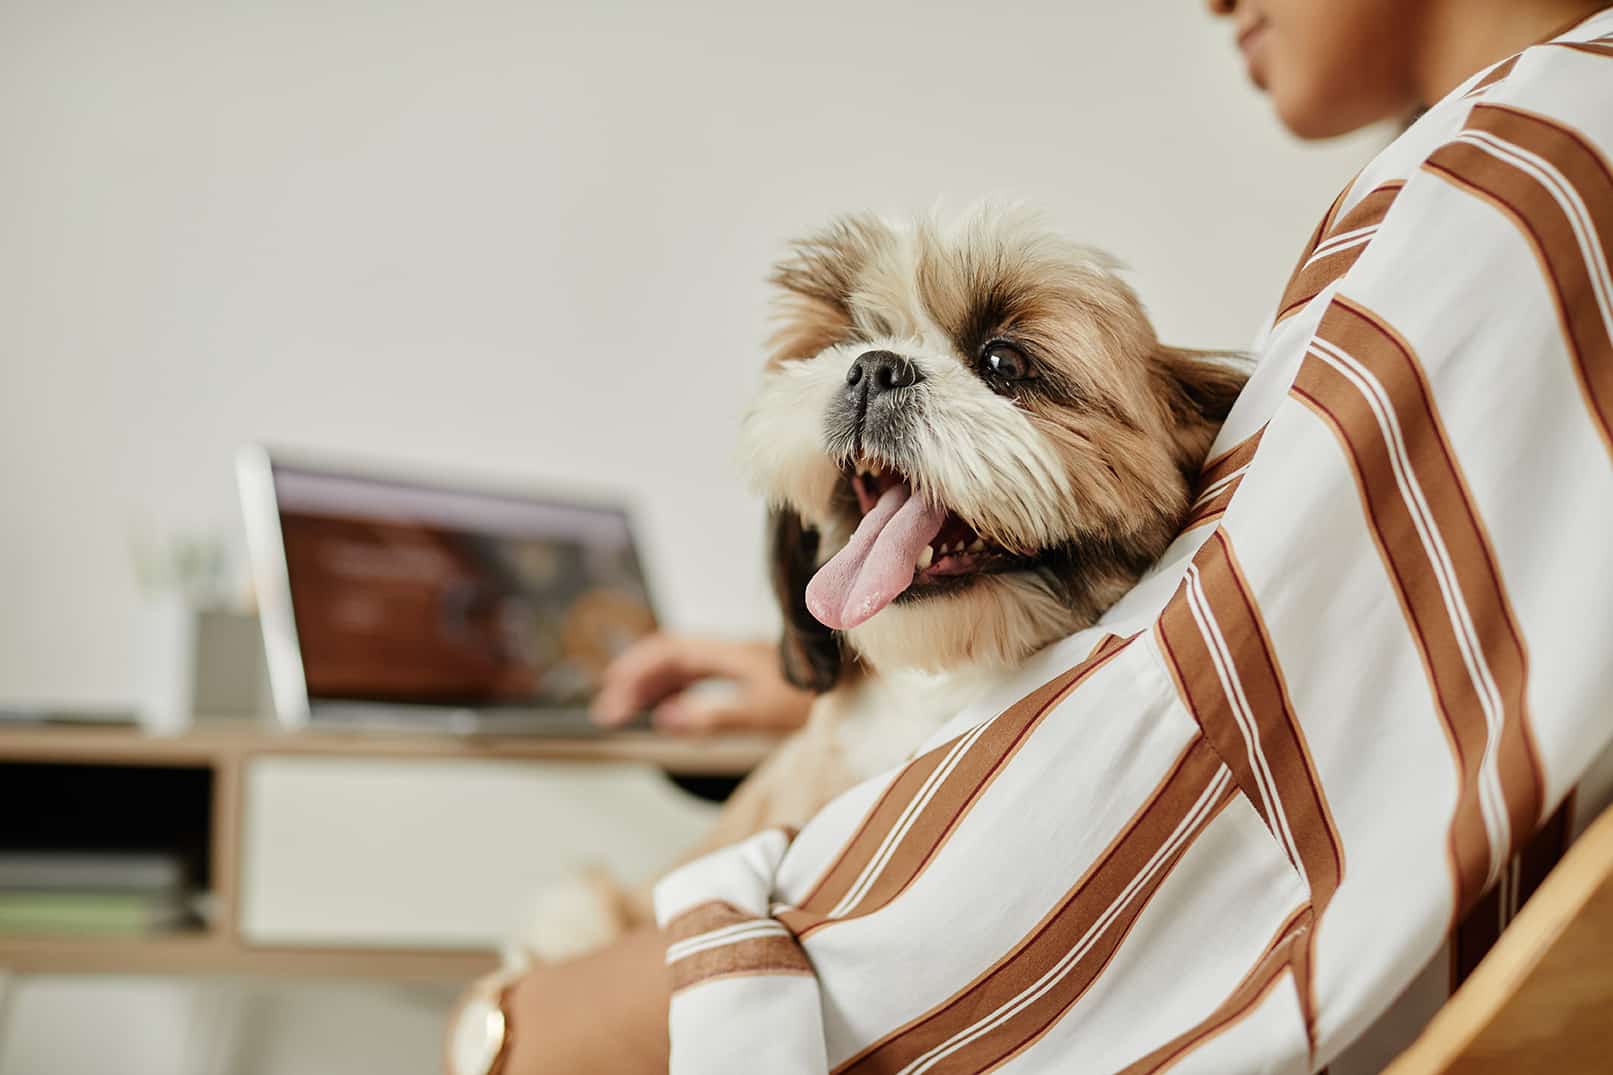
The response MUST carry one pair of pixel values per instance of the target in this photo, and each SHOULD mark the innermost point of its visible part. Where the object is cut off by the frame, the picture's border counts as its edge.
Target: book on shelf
(108, 871)
(94, 893)
(90, 914)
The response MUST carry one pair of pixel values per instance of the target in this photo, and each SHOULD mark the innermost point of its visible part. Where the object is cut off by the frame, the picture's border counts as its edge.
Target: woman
(1232, 823)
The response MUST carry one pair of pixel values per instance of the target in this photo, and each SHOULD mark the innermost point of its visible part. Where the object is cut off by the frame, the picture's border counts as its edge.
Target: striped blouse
(1267, 811)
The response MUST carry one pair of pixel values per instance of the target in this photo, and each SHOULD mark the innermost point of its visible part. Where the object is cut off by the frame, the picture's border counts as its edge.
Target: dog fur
(1043, 414)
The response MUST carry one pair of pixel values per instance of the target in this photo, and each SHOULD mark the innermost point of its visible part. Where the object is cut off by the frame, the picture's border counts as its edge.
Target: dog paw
(575, 915)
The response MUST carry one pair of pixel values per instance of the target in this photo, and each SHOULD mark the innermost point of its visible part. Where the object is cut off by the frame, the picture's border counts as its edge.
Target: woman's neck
(1460, 37)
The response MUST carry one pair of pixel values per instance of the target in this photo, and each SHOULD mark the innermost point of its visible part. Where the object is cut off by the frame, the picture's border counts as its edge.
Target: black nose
(882, 371)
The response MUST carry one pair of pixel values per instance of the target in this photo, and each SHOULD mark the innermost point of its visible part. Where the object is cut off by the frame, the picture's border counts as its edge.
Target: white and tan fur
(1074, 477)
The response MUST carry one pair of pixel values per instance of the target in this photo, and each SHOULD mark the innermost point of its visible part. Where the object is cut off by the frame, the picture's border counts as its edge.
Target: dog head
(971, 439)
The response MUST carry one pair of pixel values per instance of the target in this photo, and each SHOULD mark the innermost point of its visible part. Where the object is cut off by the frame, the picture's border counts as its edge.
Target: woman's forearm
(606, 1011)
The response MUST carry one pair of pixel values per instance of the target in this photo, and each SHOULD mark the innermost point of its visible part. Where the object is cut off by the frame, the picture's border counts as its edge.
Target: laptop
(402, 603)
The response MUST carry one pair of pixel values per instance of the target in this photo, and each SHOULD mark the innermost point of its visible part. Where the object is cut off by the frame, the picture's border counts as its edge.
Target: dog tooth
(926, 558)
(876, 470)
(977, 545)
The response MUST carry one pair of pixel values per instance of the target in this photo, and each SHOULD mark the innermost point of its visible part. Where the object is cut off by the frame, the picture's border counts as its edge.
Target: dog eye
(1006, 361)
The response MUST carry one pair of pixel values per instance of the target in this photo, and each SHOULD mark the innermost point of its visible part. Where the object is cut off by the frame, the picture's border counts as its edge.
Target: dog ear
(1200, 388)
(815, 283)
(810, 651)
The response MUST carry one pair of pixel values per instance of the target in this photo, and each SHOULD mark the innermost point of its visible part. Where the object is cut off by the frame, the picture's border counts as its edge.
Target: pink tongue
(877, 563)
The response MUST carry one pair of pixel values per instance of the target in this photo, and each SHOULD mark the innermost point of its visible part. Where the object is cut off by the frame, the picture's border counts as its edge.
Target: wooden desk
(226, 752)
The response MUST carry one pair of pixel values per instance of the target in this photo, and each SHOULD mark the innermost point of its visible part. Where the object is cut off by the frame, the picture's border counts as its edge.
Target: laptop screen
(413, 593)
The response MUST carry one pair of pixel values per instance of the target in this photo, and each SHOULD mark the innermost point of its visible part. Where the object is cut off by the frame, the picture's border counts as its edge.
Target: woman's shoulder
(1564, 85)
(1569, 77)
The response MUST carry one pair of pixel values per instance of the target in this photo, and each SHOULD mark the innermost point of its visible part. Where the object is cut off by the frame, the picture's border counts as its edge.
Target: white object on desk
(191, 660)
(441, 853)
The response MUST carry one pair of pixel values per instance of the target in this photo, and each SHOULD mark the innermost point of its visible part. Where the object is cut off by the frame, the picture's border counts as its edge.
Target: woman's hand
(658, 672)
(605, 1011)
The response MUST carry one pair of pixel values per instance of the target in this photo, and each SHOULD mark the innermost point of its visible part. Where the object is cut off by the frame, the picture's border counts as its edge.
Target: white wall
(526, 241)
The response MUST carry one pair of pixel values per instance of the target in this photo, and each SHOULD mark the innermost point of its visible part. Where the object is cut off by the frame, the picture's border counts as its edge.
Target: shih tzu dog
(972, 443)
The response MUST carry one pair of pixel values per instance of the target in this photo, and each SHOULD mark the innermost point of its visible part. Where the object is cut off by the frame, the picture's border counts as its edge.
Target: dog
(972, 442)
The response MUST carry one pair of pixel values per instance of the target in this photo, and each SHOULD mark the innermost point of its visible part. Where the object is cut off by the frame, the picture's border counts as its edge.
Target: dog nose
(882, 371)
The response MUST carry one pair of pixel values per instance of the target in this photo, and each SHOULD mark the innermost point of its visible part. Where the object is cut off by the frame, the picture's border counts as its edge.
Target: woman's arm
(603, 1012)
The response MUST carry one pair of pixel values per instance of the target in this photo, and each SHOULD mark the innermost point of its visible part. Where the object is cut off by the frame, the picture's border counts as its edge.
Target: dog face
(972, 440)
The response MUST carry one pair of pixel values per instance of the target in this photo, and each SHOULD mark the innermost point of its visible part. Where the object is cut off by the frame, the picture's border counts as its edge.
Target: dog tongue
(877, 563)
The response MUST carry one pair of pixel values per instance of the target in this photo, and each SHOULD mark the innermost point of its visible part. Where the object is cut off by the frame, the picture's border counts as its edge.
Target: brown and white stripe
(921, 808)
(1496, 74)
(1600, 47)
(717, 940)
(1220, 654)
(1324, 226)
(1339, 249)
(1596, 46)
(1287, 953)
(1559, 192)
(1365, 383)
(1016, 1000)
(1473, 937)
(1219, 480)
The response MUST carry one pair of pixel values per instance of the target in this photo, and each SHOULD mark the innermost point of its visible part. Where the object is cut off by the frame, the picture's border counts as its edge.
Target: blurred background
(521, 243)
